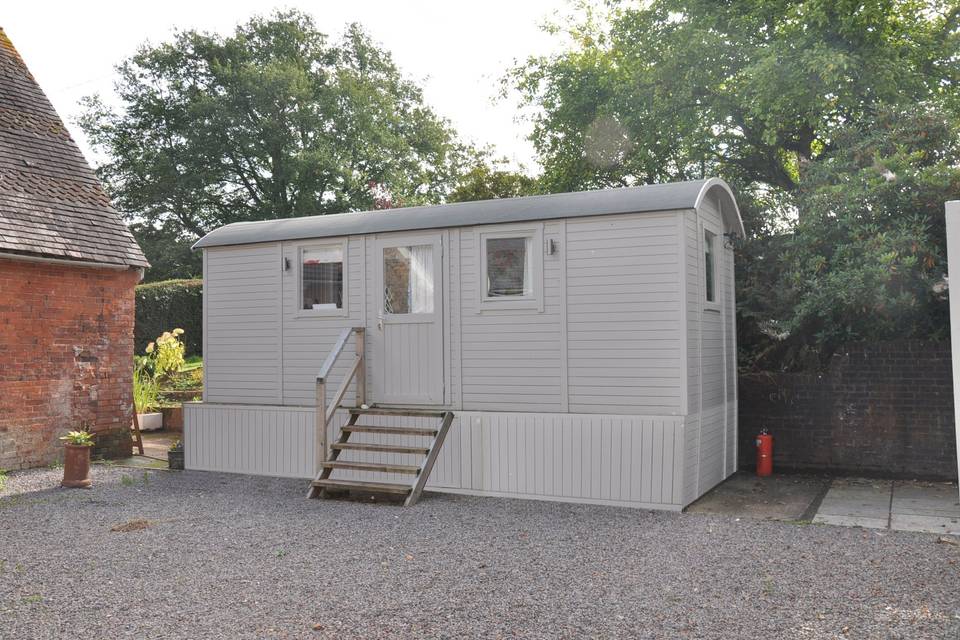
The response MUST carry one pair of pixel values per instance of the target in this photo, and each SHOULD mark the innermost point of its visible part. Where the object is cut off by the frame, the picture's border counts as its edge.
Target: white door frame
(384, 320)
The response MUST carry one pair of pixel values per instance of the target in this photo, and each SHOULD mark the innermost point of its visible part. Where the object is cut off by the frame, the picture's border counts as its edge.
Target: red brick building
(68, 267)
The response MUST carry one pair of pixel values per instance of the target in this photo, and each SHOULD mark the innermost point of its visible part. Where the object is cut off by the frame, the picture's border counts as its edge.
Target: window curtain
(421, 279)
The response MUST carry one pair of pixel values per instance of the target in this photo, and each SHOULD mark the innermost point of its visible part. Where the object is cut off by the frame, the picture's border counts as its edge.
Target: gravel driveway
(239, 557)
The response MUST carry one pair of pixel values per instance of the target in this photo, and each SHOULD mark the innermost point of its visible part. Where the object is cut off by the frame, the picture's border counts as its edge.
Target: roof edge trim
(731, 213)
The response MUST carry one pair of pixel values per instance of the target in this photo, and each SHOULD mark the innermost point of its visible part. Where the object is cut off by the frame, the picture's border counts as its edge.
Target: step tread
(383, 448)
(358, 485)
(372, 466)
(397, 411)
(397, 431)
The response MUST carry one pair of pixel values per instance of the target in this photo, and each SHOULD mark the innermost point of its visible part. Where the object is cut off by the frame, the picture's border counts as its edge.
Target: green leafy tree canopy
(746, 89)
(490, 179)
(272, 121)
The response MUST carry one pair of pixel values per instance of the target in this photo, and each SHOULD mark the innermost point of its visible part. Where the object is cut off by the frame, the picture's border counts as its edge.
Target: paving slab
(856, 502)
(930, 507)
(851, 521)
(925, 524)
(155, 447)
(778, 497)
(901, 505)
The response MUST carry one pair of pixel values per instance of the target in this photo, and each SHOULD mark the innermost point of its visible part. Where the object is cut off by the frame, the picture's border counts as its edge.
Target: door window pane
(710, 266)
(321, 276)
(509, 267)
(408, 279)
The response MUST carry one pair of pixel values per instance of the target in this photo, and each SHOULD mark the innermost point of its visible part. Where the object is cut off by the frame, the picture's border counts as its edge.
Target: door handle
(380, 321)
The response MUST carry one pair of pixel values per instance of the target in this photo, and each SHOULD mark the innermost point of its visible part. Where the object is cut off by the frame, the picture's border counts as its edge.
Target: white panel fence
(621, 460)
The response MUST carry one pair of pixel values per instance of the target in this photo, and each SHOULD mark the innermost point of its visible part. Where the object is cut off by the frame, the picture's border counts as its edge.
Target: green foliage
(145, 388)
(867, 256)
(167, 353)
(161, 362)
(174, 303)
(3, 479)
(83, 438)
(274, 120)
(167, 248)
(485, 181)
(796, 103)
(678, 89)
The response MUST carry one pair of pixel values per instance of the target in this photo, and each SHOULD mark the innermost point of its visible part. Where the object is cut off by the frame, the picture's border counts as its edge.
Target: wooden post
(320, 450)
(137, 436)
(362, 369)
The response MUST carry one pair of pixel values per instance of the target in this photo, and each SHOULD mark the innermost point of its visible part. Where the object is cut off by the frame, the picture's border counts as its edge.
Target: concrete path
(928, 507)
(779, 497)
(155, 447)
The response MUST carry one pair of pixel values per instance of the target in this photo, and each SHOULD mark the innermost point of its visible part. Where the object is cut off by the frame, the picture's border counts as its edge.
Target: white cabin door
(408, 337)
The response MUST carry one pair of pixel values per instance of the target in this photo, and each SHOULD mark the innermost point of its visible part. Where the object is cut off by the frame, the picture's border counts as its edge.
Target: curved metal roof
(656, 197)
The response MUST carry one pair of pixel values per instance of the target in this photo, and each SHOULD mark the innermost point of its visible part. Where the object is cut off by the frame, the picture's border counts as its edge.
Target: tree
(270, 122)
(486, 180)
(778, 97)
(678, 89)
(868, 255)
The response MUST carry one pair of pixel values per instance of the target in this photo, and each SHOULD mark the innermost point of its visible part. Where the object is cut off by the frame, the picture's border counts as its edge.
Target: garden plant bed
(246, 557)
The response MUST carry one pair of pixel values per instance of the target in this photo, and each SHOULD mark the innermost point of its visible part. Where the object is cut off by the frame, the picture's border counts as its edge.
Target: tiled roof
(51, 203)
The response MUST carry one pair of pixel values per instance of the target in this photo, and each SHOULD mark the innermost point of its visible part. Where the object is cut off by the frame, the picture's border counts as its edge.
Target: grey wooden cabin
(581, 346)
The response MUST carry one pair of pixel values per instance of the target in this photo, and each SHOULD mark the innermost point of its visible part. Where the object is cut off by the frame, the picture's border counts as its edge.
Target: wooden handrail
(357, 370)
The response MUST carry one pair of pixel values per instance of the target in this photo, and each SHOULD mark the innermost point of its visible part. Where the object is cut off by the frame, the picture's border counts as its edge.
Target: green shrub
(167, 352)
(171, 303)
(82, 438)
(145, 391)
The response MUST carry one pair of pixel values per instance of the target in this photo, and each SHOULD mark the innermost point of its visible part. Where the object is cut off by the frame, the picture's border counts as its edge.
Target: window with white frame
(321, 278)
(509, 267)
(710, 264)
(510, 273)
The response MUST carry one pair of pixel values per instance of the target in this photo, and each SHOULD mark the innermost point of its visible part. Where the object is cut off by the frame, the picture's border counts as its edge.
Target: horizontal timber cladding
(510, 359)
(242, 341)
(308, 337)
(624, 323)
(619, 460)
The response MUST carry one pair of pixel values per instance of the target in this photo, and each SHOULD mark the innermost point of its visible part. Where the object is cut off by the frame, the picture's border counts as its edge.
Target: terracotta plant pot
(76, 466)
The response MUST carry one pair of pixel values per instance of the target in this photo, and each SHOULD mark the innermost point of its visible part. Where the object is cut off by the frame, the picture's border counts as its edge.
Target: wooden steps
(372, 466)
(379, 448)
(355, 485)
(324, 484)
(397, 431)
(389, 411)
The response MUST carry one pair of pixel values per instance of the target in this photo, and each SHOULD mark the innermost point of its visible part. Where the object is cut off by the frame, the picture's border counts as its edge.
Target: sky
(456, 50)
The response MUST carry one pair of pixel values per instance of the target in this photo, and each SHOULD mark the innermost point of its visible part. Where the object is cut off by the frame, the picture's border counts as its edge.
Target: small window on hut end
(710, 264)
(321, 279)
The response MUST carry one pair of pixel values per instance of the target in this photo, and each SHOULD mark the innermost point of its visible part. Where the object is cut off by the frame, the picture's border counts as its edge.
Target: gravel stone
(227, 556)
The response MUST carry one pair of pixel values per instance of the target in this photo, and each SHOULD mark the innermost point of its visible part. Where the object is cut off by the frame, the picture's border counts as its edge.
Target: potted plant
(76, 459)
(162, 357)
(145, 391)
(175, 456)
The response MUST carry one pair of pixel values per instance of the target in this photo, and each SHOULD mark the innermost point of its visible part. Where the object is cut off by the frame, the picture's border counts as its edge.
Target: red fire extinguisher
(764, 454)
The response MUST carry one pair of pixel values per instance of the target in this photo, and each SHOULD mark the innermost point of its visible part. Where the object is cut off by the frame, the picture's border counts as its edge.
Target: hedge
(163, 306)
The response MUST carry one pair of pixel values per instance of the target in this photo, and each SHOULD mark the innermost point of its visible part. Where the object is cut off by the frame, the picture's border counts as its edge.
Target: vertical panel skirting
(602, 459)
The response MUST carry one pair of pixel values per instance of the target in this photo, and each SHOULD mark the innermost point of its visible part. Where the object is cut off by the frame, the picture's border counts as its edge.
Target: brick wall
(880, 409)
(66, 349)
